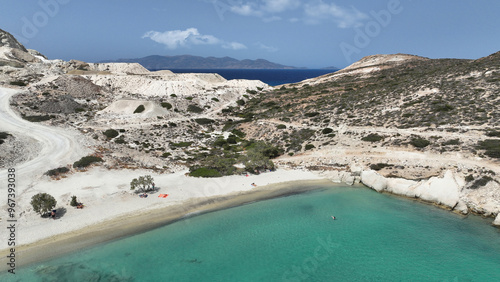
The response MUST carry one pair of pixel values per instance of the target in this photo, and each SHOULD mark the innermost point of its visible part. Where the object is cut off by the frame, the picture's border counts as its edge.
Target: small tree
(43, 203)
(73, 202)
(143, 184)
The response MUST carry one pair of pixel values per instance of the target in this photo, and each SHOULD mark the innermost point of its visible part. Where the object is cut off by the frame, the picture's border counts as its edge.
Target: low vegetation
(373, 137)
(111, 133)
(491, 147)
(420, 142)
(38, 118)
(57, 171)
(3, 136)
(139, 109)
(86, 161)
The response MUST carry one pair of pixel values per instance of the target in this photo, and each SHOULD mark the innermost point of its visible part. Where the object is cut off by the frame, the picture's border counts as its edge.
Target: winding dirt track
(58, 146)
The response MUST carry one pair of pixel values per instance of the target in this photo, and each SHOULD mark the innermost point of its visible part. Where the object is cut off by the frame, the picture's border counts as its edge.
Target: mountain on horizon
(157, 62)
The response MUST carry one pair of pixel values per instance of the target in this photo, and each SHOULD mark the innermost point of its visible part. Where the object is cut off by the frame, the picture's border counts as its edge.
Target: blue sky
(302, 33)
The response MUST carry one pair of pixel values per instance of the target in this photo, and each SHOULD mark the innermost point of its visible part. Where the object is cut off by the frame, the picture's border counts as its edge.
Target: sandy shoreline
(134, 223)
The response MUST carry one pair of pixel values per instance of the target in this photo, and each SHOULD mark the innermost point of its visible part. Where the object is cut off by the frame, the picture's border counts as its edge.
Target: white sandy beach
(106, 195)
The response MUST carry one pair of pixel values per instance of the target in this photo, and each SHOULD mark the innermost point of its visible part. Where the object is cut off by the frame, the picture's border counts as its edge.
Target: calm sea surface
(271, 77)
(376, 237)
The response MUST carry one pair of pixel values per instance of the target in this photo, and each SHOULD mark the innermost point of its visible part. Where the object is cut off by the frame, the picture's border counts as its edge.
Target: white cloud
(278, 6)
(234, 46)
(173, 39)
(308, 11)
(345, 18)
(265, 47)
(246, 10)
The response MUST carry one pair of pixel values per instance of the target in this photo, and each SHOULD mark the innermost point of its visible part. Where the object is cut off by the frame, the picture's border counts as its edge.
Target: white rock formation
(441, 190)
(497, 220)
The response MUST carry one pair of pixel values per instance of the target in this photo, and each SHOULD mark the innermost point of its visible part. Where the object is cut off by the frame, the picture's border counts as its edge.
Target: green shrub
(205, 172)
(469, 178)
(420, 142)
(232, 139)
(166, 105)
(111, 133)
(253, 92)
(86, 161)
(379, 166)
(73, 202)
(372, 137)
(57, 171)
(238, 133)
(481, 182)
(18, 83)
(240, 102)
(491, 147)
(181, 144)
(194, 109)
(166, 155)
(215, 99)
(281, 126)
(220, 142)
(309, 147)
(120, 140)
(139, 109)
(38, 118)
(493, 133)
(312, 114)
(452, 142)
(203, 121)
(189, 98)
(3, 136)
(327, 131)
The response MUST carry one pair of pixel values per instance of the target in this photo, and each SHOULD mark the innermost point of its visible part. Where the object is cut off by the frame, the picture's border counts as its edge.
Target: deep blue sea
(376, 237)
(272, 77)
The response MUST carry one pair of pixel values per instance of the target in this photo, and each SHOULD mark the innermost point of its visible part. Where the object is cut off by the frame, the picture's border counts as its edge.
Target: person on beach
(53, 214)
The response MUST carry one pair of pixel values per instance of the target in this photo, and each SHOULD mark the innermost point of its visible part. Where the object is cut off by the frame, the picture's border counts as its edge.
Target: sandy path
(59, 147)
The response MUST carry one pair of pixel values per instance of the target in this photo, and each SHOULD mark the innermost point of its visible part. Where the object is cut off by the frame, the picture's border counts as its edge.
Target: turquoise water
(376, 237)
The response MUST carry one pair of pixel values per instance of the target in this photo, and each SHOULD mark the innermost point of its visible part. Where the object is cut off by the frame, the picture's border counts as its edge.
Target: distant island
(157, 62)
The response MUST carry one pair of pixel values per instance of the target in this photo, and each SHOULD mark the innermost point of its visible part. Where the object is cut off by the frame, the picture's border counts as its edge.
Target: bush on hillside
(372, 137)
(204, 121)
(205, 172)
(420, 142)
(86, 161)
(327, 130)
(194, 109)
(139, 109)
(57, 171)
(166, 105)
(110, 133)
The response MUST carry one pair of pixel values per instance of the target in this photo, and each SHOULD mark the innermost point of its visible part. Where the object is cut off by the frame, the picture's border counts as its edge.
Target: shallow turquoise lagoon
(375, 237)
